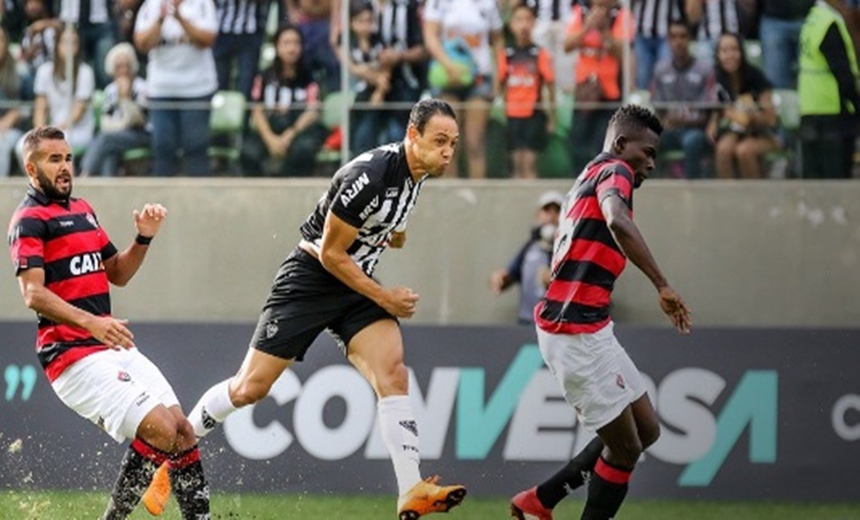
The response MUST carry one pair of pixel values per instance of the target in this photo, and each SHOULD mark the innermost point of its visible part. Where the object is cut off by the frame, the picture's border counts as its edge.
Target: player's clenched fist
(401, 302)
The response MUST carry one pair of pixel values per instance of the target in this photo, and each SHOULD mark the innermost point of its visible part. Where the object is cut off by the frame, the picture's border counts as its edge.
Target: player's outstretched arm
(122, 266)
(632, 243)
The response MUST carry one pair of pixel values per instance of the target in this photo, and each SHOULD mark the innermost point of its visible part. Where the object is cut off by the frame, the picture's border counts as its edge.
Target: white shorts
(598, 377)
(114, 389)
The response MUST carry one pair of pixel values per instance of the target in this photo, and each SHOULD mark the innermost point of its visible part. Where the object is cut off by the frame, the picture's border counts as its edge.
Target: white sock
(400, 434)
(211, 409)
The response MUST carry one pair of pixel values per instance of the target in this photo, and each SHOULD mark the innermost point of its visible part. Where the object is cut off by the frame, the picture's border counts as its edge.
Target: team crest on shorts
(620, 382)
(271, 329)
(123, 376)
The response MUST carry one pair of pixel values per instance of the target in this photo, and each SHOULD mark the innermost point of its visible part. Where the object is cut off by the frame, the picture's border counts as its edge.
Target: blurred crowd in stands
(745, 88)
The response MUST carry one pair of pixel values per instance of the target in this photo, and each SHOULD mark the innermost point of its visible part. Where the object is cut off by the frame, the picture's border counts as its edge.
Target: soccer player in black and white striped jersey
(326, 284)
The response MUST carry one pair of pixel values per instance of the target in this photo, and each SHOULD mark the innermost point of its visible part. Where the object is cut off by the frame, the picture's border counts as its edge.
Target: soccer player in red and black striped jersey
(575, 332)
(65, 262)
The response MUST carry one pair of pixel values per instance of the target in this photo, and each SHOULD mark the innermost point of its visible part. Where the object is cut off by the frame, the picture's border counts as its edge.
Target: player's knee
(185, 436)
(161, 433)
(627, 453)
(649, 435)
(394, 380)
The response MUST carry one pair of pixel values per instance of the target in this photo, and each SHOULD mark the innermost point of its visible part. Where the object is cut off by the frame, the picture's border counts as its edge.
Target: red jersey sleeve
(616, 178)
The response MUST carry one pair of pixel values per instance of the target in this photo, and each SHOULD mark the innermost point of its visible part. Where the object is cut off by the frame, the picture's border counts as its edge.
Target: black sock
(570, 477)
(606, 491)
(139, 464)
(189, 485)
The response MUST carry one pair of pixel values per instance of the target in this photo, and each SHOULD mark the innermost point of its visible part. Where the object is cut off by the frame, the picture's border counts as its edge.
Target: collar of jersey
(43, 199)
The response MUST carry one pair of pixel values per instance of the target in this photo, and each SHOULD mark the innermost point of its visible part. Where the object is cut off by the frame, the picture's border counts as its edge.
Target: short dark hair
(34, 137)
(633, 118)
(427, 108)
(680, 22)
(356, 7)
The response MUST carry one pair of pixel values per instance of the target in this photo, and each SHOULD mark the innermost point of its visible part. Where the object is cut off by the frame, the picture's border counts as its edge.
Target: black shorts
(305, 299)
(527, 133)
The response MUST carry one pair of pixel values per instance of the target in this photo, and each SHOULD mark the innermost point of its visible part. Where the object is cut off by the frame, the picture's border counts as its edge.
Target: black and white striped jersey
(242, 16)
(654, 16)
(551, 10)
(718, 17)
(375, 193)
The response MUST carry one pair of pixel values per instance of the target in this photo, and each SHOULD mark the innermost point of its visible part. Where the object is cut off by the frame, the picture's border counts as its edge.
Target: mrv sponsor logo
(524, 414)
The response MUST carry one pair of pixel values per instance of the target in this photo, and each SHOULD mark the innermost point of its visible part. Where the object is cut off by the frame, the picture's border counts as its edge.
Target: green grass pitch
(31, 505)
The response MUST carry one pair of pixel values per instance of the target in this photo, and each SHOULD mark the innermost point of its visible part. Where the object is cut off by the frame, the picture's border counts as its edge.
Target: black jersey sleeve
(361, 190)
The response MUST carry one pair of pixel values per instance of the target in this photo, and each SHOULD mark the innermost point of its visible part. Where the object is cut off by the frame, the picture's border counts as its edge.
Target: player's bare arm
(121, 267)
(337, 237)
(630, 240)
(108, 330)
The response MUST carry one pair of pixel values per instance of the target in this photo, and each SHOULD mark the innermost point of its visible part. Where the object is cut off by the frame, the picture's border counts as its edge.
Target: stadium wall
(747, 414)
(769, 253)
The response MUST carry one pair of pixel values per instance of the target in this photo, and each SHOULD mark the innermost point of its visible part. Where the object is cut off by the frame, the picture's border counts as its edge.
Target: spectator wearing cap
(530, 267)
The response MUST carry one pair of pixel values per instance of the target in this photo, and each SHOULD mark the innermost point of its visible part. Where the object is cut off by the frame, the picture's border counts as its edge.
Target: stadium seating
(328, 159)
(267, 56)
(786, 160)
(641, 97)
(564, 112)
(97, 102)
(554, 161)
(226, 123)
(754, 54)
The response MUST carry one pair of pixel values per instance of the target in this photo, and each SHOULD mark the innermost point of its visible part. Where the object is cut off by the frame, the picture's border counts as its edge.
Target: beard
(50, 189)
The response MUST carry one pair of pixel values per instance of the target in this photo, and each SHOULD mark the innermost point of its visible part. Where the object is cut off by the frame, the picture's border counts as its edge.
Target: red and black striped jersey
(586, 259)
(66, 240)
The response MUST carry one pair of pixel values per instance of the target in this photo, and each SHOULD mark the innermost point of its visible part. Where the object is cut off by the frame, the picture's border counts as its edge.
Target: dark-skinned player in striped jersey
(326, 283)
(596, 236)
(65, 264)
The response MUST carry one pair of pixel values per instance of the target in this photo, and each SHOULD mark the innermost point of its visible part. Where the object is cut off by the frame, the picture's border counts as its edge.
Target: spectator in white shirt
(177, 36)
